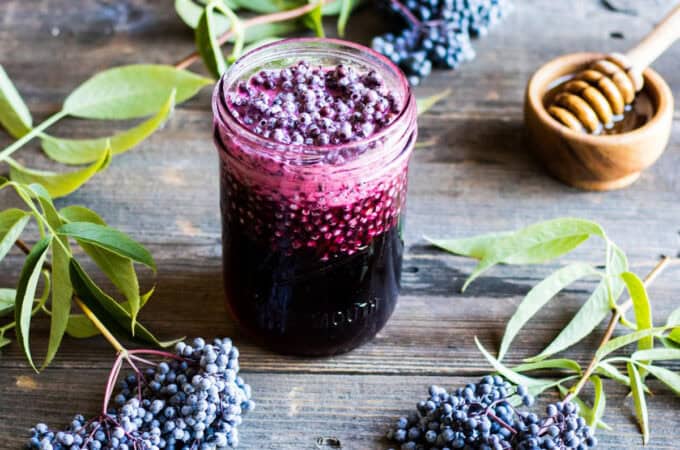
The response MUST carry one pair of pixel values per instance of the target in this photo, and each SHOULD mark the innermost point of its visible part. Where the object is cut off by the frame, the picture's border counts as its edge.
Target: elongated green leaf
(61, 298)
(190, 12)
(593, 311)
(7, 297)
(606, 369)
(109, 239)
(477, 247)
(14, 114)
(599, 401)
(83, 151)
(656, 354)
(666, 376)
(59, 184)
(641, 306)
(119, 269)
(313, 19)
(132, 91)
(4, 341)
(539, 296)
(639, 401)
(626, 339)
(80, 327)
(108, 311)
(206, 42)
(426, 103)
(669, 343)
(12, 224)
(345, 11)
(564, 364)
(674, 318)
(28, 283)
(508, 373)
(532, 237)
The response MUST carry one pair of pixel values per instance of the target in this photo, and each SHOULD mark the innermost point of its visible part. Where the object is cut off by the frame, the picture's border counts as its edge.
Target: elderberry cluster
(435, 33)
(193, 402)
(483, 416)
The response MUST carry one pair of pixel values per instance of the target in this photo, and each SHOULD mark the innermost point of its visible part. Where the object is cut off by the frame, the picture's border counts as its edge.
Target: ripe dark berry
(195, 400)
(435, 33)
(482, 416)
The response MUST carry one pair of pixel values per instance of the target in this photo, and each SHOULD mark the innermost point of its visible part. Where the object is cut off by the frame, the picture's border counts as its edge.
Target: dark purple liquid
(301, 305)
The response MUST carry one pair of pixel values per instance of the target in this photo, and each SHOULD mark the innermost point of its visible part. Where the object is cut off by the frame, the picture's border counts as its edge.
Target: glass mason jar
(311, 235)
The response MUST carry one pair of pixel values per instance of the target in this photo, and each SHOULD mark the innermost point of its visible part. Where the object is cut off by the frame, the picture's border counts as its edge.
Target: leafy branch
(65, 281)
(545, 241)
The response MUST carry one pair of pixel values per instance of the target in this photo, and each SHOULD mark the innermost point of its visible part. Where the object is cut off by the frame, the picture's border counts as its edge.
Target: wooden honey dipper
(599, 95)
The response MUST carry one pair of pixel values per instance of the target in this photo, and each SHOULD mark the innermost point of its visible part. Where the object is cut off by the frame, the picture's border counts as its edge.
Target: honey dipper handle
(656, 42)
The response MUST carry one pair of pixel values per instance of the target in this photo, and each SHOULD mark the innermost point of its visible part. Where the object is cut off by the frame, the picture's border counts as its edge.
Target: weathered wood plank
(473, 175)
(293, 411)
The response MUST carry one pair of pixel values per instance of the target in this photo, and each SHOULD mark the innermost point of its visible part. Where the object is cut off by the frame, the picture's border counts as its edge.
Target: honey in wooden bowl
(635, 115)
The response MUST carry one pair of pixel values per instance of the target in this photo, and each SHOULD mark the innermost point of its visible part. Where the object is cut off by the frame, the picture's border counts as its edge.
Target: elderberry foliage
(52, 263)
(655, 343)
(486, 416)
(435, 33)
(195, 399)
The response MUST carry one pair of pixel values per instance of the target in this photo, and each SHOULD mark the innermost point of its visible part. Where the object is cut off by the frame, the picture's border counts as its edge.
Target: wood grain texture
(472, 174)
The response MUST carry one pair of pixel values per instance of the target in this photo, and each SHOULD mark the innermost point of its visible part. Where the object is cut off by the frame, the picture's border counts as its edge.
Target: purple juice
(314, 159)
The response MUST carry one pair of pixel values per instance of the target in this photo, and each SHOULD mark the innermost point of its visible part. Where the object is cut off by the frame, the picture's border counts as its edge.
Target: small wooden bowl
(587, 161)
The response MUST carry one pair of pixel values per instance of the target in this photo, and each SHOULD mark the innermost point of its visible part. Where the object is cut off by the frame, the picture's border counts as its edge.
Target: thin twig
(257, 20)
(616, 316)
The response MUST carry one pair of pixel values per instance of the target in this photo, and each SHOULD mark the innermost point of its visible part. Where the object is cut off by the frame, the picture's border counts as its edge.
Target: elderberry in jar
(314, 139)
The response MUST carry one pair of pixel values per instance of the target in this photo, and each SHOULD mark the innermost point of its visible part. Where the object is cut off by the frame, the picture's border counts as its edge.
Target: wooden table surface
(472, 174)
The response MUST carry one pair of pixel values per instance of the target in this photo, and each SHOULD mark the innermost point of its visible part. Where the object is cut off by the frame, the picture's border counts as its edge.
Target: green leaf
(7, 298)
(83, 151)
(28, 282)
(12, 224)
(109, 239)
(190, 12)
(477, 247)
(593, 311)
(206, 42)
(14, 114)
(605, 369)
(345, 10)
(62, 292)
(80, 327)
(667, 377)
(641, 306)
(639, 401)
(132, 91)
(533, 238)
(4, 341)
(656, 354)
(626, 339)
(669, 343)
(539, 296)
(562, 363)
(119, 269)
(426, 103)
(511, 375)
(59, 184)
(599, 401)
(674, 318)
(313, 19)
(108, 311)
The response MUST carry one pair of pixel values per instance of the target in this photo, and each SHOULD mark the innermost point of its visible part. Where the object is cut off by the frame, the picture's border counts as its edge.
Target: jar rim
(306, 152)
